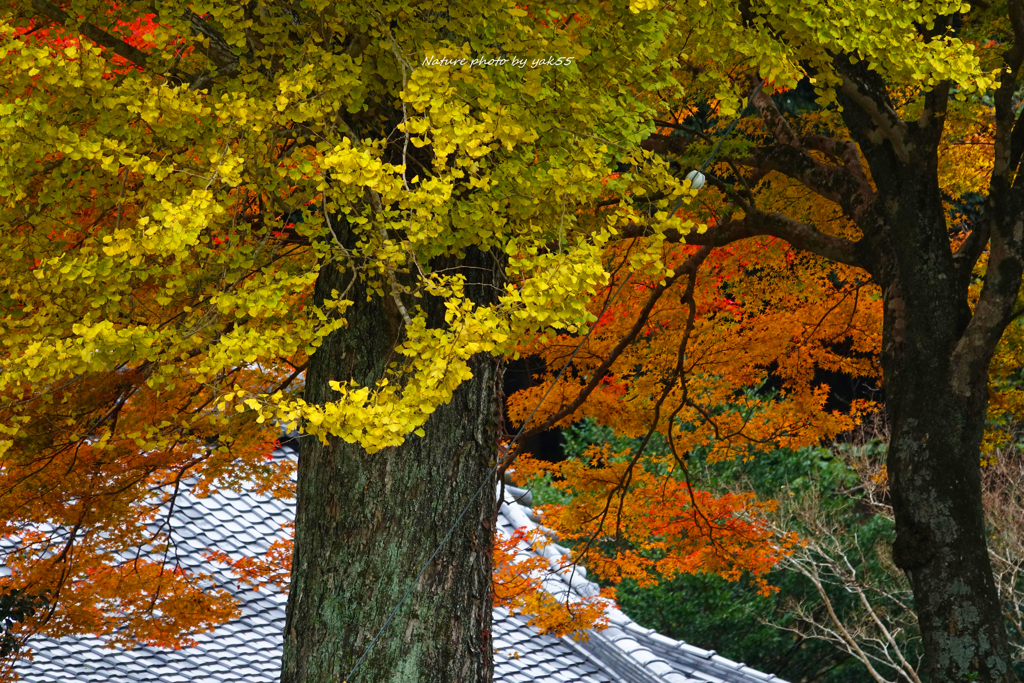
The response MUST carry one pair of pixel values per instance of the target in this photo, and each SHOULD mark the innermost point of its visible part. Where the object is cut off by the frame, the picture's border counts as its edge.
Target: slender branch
(905, 667)
(851, 642)
(45, 168)
(687, 268)
(378, 209)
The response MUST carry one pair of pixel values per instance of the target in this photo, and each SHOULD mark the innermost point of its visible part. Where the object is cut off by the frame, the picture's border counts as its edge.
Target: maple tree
(266, 190)
(725, 614)
(756, 310)
(866, 187)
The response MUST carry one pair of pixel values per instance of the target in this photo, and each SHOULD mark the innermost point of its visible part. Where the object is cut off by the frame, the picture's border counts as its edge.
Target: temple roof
(248, 649)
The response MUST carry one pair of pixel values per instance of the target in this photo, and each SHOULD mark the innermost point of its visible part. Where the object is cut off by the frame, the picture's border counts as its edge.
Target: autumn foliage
(99, 458)
(173, 185)
(728, 364)
(157, 300)
(96, 458)
(519, 587)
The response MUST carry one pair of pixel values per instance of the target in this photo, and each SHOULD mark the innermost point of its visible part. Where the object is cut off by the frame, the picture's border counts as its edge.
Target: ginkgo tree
(198, 213)
(204, 203)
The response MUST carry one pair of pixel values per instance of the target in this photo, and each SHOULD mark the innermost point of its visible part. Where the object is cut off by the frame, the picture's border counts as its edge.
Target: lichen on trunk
(935, 400)
(367, 523)
(934, 475)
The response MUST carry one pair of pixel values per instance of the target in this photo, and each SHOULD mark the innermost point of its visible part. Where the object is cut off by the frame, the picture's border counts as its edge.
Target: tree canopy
(196, 197)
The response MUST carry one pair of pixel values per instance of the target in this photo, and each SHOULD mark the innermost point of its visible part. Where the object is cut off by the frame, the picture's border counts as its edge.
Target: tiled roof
(248, 649)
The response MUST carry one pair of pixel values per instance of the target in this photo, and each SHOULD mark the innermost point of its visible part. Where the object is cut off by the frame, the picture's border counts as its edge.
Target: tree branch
(93, 33)
(846, 186)
(219, 52)
(992, 313)
(888, 125)
(1006, 126)
(970, 250)
(688, 268)
(1005, 226)
(774, 120)
(936, 101)
(754, 223)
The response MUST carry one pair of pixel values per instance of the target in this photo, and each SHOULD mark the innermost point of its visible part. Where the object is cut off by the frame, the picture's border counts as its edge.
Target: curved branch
(845, 185)
(755, 223)
(970, 250)
(991, 314)
(688, 268)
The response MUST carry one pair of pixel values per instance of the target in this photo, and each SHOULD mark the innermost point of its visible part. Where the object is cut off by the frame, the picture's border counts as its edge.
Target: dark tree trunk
(936, 349)
(367, 523)
(935, 481)
(936, 493)
(936, 404)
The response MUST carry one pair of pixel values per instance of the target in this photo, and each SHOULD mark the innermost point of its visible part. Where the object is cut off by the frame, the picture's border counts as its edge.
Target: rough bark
(935, 398)
(366, 524)
(936, 493)
(934, 475)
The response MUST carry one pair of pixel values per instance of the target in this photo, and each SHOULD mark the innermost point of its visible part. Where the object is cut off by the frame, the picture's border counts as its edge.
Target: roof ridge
(587, 653)
(522, 515)
(624, 663)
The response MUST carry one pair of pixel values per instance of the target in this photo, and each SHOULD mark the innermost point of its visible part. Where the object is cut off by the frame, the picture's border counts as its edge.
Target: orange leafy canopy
(518, 587)
(723, 357)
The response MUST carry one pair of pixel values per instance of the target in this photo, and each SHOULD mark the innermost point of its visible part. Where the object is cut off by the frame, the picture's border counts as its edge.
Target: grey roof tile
(705, 676)
(659, 667)
(676, 678)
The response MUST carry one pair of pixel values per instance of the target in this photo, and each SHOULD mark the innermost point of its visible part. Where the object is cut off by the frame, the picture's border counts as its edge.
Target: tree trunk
(366, 524)
(936, 350)
(937, 421)
(935, 481)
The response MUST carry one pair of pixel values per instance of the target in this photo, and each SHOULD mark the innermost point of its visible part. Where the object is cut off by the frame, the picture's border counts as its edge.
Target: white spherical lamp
(696, 179)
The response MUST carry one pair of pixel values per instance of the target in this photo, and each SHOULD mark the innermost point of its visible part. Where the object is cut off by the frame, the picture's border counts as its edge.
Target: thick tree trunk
(935, 481)
(366, 524)
(935, 349)
(937, 419)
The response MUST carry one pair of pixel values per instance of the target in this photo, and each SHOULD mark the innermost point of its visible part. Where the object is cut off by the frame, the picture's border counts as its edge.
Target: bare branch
(688, 268)
(881, 630)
